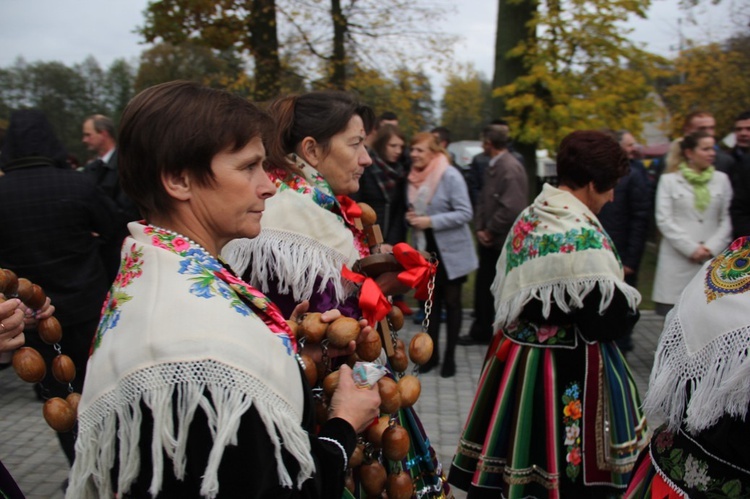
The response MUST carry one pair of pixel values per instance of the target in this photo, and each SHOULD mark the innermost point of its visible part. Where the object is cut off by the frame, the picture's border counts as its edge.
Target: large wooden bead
(29, 365)
(63, 368)
(294, 326)
(11, 283)
(73, 399)
(373, 477)
(390, 397)
(395, 442)
(342, 331)
(37, 297)
(369, 216)
(50, 330)
(374, 432)
(410, 388)
(396, 317)
(311, 372)
(59, 414)
(358, 456)
(330, 383)
(369, 348)
(24, 289)
(399, 361)
(420, 348)
(312, 327)
(399, 486)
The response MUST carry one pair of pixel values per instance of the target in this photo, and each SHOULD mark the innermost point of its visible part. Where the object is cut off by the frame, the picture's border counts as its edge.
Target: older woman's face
(232, 205)
(393, 149)
(703, 155)
(421, 155)
(345, 162)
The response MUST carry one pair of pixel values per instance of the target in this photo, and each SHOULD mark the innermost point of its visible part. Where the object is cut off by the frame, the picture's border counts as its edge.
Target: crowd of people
(205, 224)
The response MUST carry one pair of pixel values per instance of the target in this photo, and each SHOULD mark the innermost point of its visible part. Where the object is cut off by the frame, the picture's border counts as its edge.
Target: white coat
(683, 229)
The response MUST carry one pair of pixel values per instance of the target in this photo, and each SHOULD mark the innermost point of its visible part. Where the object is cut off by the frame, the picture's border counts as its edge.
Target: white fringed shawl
(300, 241)
(556, 252)
(702, 367)
(173, 329)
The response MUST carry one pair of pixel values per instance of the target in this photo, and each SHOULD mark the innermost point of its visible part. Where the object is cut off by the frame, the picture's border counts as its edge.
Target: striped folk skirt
(551, 422)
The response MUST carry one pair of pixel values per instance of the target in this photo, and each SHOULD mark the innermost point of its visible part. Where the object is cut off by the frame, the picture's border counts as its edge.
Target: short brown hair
(180, 126)
(385, 132)
(591, 156)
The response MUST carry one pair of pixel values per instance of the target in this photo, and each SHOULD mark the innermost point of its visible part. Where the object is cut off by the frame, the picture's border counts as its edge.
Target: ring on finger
(2, 326)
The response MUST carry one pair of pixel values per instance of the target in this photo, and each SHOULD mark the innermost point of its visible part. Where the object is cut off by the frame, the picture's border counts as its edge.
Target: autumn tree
(578, 70)
(466, 106)
(247, 26)
(407, 93)
(190, 61)
(327, 37)
(712, 77)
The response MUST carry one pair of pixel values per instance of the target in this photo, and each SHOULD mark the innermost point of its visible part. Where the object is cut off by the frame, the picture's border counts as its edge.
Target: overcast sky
(70, 30)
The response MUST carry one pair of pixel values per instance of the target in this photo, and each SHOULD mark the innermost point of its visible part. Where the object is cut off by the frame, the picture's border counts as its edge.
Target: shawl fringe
(567, 294)
(293, 260)
(717, 379)
(167, 396)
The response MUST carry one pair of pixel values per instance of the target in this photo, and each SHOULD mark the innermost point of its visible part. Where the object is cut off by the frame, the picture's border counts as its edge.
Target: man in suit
(49, 216)
(504, 194)
(99, 137)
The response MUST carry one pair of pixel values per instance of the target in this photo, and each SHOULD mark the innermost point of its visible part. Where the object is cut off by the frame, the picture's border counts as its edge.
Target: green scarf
(699, 181)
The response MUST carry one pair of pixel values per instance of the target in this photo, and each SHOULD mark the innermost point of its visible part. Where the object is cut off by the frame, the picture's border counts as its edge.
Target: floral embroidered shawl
(556, 252)
(703, 349)
(176, 336)
(305, 237)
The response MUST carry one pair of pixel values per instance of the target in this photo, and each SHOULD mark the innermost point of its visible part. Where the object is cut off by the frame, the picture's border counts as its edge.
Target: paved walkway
(30, 451)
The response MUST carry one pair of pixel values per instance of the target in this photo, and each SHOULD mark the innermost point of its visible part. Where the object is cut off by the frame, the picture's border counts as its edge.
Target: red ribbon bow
(418, 271)
(349, 208)
(372, 301)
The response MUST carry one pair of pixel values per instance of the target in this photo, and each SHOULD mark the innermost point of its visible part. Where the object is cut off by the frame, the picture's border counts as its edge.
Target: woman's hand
(32, 317)
(315, 350)
(701, 254)
(11, 325)
(421, 222)
(358, 406)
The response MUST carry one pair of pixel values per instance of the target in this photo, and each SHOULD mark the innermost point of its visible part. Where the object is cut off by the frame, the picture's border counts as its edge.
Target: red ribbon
(349, 208)
(372, 301)
(418, 270)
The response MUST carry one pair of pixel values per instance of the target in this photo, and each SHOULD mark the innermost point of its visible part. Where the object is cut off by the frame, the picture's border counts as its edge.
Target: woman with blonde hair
(692, 214)
(439, 215)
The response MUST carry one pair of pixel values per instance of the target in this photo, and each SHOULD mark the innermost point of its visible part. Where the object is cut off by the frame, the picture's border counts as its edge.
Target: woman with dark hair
(439, 215)
(382, 185)
(692, 214)
(557, 412)
(195, 387)
(309, 235)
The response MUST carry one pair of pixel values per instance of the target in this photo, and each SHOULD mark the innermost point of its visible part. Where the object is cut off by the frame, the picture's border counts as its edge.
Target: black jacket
(739, 210)
(626, 219)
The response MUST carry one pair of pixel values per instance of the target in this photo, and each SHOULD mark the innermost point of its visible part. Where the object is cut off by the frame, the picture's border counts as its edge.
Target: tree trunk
(337, 79)
(265, 49)
(513, 18)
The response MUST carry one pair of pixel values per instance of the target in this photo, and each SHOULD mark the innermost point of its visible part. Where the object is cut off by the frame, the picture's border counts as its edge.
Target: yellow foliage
(713, 78)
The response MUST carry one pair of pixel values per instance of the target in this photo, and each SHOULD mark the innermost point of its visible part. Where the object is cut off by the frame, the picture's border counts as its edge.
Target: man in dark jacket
(50, 215)
(99, 137)
(504, 194)
(739, 210)
(626, 218)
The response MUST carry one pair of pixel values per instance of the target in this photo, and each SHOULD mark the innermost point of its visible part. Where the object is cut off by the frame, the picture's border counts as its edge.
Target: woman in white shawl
(194, 386)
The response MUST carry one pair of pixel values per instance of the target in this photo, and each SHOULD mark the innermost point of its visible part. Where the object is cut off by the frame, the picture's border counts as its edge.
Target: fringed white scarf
(302, 239)
(557, 252)
(702, 366)
(175, 335)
